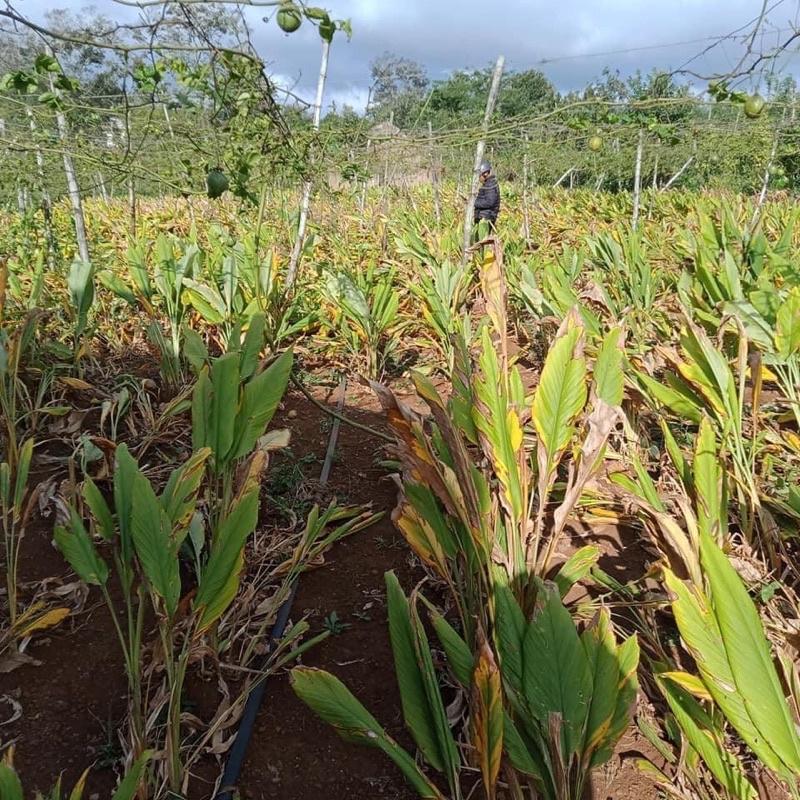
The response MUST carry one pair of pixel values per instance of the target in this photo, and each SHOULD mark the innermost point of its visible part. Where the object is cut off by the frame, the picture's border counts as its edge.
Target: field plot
(314, 485)
(598, 435)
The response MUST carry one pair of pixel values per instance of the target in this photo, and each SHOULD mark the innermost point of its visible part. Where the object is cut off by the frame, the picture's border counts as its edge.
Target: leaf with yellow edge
(486, 721)
(691, 683)
(560, 396)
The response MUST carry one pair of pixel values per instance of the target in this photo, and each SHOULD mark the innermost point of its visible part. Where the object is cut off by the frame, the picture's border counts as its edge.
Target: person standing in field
(487, 203)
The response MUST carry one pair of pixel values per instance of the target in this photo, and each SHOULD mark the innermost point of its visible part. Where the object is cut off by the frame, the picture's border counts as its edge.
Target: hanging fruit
(596, 144)
(216, 183)
(754, 106)
(327, 27)
(289, 18)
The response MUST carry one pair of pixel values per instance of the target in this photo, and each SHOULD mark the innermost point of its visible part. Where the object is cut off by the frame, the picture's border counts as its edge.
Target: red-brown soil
(72, 701)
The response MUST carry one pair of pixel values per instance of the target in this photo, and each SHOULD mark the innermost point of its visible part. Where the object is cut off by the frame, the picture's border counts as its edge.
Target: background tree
(399, 86)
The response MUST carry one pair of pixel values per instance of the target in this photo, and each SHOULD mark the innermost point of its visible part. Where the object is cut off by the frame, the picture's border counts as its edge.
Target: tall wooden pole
(435, 166)
(47, 206)
(526, 218)
(297, 250)
(469, 211)
(637, 180)
(72, 179)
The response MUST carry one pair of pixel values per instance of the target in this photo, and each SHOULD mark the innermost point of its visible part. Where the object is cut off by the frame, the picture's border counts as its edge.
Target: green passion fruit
(327, 28)
(289, 18)
(216, 183)
(595, 144)
(754, 105)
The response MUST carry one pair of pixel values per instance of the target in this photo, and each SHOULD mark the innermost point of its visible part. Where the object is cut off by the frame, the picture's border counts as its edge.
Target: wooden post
(132, 205)
(47, 206)
(469, 211)
(101, 185)
(526, 218)
(297, 250)
(637, 180)
(677, 175)
(437, 208)
(764, 184)
(362, 200)
(72, 179)
(563, 177)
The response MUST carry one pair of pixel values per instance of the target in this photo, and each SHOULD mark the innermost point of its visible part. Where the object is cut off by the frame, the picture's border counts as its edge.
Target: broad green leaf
(628, 661)
(755, 326)
(99, 508)
(5, 485)
(10, 786)
(679, 460)
(253, 345)
(220, 580)
(224, 405)
(330, 700)
(560, 396)
(155, 549)
(509, 634)
(202, 429)
(699, 729)
(787, 326)
(675, 395)
(499, 425)
(417, 713)
(260, 399)
(608, 377)
(458, 653)
(748, 654)
(21, 480)
(125, 476)
(556, 674)
(521, 758)
(77, 547)
(206, 300)
(701, 635)
(116, 285)
(600, 648)
(179, 497)
(708, 482)
(194, 349)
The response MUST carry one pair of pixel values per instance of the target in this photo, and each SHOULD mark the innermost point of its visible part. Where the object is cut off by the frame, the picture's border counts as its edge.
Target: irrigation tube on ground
(233, 766)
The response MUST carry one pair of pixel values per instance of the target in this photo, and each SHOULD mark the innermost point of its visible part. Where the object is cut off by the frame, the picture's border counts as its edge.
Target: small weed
(334, 625)
(285, 481)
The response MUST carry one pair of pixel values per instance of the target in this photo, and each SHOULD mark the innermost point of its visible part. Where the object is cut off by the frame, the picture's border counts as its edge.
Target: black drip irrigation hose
(233, 766)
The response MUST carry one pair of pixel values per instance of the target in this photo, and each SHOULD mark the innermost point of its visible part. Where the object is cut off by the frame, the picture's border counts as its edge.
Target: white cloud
(445, 35)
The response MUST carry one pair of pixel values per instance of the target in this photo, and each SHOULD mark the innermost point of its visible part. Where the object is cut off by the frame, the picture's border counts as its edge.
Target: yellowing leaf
(486, 723)
(76, 383)
(48, 620)
(690, 682)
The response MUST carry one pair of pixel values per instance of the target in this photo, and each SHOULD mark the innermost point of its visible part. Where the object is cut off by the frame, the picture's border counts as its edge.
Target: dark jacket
(487, 203)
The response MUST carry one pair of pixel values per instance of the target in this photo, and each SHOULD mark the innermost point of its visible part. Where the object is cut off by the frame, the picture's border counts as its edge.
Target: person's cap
(484, 167)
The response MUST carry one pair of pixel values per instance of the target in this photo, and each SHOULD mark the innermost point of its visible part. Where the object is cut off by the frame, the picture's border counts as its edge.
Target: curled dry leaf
(15, 709)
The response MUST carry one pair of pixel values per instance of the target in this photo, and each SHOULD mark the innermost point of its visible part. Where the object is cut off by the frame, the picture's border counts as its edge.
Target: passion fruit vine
(289, 18)
(754, 106)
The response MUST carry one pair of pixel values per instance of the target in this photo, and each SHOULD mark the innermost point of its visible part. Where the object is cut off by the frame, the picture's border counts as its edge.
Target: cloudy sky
(569, 40)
